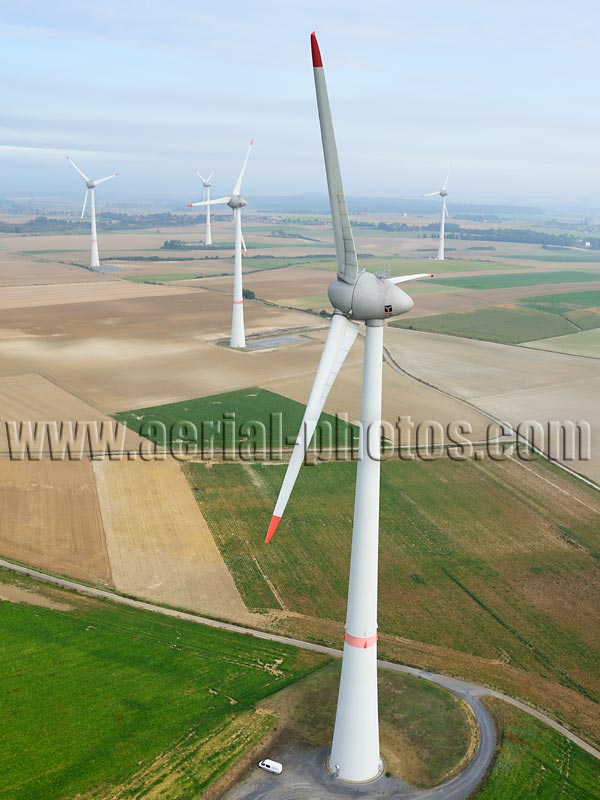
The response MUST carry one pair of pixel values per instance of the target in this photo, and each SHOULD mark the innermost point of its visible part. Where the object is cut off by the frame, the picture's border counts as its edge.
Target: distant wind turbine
(236, 202)
(443, 194)
(207, 184)
(90, 186)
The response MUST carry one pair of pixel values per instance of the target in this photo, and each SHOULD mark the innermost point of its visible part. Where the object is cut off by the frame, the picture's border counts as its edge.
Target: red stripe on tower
(316, 53)
(362, 642)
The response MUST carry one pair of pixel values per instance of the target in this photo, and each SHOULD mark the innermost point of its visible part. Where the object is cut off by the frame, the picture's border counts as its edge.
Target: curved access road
(456, 789)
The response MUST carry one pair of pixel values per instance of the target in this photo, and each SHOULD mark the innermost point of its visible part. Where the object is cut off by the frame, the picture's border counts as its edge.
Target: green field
(536, 762)
(567, 256)
(506, 324)
(479, 558)
(94, 695)
(564, 302)
(482, 282)
(232, 420)
(400, 265)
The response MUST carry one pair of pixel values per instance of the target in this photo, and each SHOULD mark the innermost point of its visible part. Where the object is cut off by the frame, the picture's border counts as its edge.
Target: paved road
(470, 692)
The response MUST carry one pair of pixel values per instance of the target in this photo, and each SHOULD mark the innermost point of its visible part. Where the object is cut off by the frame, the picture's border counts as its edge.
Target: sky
(505, 91)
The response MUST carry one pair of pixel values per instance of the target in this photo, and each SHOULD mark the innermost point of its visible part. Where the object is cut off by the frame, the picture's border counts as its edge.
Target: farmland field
(518, 279)
(535, 761)
(217, 417)
(568, 256)
(506, 324)
(107, 691)
(563, 302)
(480, 558)
(584, 343)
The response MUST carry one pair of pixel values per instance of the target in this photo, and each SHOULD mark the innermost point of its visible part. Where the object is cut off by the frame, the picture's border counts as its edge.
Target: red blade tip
(190, 205)
(316, 53)
(272, 527)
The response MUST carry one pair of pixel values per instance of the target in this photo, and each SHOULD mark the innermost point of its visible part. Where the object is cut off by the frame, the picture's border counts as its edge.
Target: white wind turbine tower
(207, 184)
(90, 186)
(356, 296)
(236, 203)
(443, 194)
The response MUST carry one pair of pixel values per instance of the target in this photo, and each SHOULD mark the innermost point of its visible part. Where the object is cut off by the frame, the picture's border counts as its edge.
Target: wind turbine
(236, 203)
(356, 296)
(207, 184)
(443, 194)
(90, 186)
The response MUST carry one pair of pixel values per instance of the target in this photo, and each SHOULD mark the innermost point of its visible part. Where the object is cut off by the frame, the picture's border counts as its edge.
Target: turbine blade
(238, 184)
(347, 263)
(340, 338)
(210, 177)
(75, 167)
(416, 277)
(216, 202)
(447, 176)
(244, 248)
(85, 199)
(103, 180)
(200, 176)
(430, 194)
(446, 210)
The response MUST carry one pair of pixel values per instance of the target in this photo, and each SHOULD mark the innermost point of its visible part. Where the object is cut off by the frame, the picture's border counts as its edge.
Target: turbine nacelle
(370, 298)
(235, 201)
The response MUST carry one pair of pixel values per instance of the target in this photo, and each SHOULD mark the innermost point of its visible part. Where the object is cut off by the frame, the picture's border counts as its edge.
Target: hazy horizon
(505, 94)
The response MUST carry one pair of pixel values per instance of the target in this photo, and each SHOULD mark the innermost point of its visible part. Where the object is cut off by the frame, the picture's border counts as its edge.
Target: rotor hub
(370, 298)
(235, 201)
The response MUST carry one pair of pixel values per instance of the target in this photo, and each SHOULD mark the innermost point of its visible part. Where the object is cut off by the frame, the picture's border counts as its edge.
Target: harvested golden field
(584, 343)
(402, 396)
(513, 383)
(159, 546)
(32, 398)
(64, 293)
(131, 353)
(25, 270)
(51, 518)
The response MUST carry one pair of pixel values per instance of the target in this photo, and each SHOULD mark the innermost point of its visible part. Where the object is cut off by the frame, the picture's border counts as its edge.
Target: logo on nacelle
(388, 311)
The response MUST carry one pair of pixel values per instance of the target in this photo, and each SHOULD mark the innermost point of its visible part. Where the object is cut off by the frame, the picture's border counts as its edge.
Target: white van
(271, 766)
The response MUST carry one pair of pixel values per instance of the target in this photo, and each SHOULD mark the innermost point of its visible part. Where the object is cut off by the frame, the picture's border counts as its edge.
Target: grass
(424, 730)
(93, 695)
(564, 302)
(537, 762)
(232, 421)
(480, 558)
(507, 324)
(482, 282)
